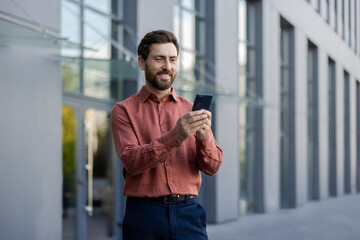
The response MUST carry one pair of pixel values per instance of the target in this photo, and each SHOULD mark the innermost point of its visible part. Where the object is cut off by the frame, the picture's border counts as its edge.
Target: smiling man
(163, 146)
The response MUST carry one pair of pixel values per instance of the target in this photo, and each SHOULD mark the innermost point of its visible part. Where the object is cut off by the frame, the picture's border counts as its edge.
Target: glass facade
(250, 109)
(189, 28)
(349, 23)
(343, 19)
(69, 172)
(98, 69)
(312, 122)
(356, 25)
(94, 59)
(347, 147)
(336, 15)
(332, 127)
(327, 2)
(287, 120)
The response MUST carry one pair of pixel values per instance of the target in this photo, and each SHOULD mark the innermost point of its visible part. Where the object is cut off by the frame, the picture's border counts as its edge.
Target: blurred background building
(285, 75)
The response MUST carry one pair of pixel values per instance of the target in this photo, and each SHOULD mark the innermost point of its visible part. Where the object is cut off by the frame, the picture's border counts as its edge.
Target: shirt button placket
(161, 119)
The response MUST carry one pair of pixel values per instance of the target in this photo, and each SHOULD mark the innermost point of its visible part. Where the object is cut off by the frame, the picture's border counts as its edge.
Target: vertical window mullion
(287, 123)
(313, 164)
(332, 128)
(347, 148)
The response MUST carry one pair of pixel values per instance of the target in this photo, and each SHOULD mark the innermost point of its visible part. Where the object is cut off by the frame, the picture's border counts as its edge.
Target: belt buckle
(169, 202)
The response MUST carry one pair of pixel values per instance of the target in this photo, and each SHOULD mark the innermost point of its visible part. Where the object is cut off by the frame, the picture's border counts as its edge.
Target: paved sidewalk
(329, 219)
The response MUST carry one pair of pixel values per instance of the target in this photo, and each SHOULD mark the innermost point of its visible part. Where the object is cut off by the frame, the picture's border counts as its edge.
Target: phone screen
(202, 102)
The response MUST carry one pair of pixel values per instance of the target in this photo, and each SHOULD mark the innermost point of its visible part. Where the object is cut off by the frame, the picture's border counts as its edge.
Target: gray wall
(307, 22)
(30, 122)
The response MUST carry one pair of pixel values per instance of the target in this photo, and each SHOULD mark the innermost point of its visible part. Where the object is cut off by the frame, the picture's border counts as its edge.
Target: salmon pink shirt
(155, 163)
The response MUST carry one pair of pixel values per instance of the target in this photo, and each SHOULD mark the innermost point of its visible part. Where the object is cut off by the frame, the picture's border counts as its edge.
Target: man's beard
(158, 84)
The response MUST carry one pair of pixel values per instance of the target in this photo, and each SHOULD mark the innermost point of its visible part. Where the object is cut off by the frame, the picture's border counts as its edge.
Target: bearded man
(163, 146)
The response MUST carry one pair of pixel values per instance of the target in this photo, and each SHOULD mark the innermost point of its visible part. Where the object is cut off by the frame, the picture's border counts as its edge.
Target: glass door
(69, 138)
(101, 174)
(89, 171)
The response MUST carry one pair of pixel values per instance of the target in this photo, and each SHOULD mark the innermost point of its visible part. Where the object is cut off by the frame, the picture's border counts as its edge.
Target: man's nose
(167, 65)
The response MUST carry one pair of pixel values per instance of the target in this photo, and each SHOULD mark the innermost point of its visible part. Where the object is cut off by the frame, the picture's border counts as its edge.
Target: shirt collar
(144, 94)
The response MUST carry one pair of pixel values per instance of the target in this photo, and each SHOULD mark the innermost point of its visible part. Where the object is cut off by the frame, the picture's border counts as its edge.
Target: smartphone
(202, 102)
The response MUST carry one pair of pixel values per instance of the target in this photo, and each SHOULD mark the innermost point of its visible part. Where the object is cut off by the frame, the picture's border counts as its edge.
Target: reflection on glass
(97, 83)
(68, 170)
(101, 175)
(70, 28)
(190, 4)
(188, 30)
(247, 90)
(97, 30)
(189, 27)
(71, 77)
(177, 21)
(96, 64)
(101, 5)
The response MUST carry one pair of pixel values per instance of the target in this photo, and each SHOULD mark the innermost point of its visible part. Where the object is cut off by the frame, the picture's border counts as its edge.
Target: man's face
(161, 65)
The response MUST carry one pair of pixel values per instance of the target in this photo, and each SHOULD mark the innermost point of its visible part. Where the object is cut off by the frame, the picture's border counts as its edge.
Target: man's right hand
(190, 123)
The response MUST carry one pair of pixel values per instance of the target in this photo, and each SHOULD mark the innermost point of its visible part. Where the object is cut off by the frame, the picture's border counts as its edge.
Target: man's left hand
(205, 129)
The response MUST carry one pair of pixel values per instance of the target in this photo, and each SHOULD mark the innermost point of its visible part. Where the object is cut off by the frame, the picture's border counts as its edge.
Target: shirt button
(169, 183)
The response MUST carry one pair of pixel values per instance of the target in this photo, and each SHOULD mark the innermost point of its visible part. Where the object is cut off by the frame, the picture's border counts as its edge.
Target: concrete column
(271, 83)
(301, 116)
(226, 183)
(30, 139)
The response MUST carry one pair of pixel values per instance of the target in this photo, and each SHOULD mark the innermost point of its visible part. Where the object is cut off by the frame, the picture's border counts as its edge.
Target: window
(336, 15)
(347, 148)
(343, 19)
(327, 11)
(250, 113)
(349, 22)
(356, 25)
(189, 27)
(94, 57)
(312, 123)
(358, 135)
(287, 118)
(318, 6)
(332, 127)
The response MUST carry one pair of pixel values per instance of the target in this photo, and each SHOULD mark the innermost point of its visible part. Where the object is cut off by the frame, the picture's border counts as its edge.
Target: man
(163, 146)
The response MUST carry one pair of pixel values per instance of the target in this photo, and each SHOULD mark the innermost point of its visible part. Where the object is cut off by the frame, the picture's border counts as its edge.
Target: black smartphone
(202, 102)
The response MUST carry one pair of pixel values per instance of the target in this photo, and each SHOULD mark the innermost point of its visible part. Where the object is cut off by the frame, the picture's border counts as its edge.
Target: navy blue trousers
(146, 219)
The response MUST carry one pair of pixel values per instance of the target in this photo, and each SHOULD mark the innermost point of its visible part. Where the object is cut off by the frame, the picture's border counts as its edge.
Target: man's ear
(141, 63)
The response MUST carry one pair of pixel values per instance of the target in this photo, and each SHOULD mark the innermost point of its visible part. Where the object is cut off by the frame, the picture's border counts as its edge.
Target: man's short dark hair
(158, 36)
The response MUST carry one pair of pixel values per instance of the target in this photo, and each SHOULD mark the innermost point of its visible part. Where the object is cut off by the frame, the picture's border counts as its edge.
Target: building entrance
(89, 174)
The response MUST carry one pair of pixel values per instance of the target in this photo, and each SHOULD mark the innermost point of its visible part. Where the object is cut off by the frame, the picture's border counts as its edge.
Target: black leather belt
(169, 199)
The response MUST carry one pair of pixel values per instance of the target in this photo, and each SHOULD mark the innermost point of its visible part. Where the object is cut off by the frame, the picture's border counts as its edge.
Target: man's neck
(159, 93)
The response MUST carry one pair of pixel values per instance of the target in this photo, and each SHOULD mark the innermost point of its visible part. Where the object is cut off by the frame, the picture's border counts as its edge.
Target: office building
(285, 77)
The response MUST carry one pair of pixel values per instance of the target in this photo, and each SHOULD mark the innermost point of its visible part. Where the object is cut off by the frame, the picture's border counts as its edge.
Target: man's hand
(195, 121)
(204, 131)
